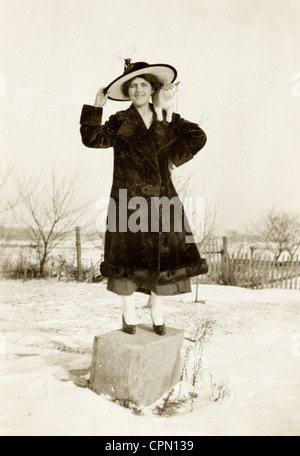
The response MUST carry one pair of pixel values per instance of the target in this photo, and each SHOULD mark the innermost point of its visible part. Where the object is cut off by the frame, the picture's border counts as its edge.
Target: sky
(238, 64)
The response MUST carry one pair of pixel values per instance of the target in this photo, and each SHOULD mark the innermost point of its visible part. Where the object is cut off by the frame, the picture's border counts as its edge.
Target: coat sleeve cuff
(181, 159)
(91, 115)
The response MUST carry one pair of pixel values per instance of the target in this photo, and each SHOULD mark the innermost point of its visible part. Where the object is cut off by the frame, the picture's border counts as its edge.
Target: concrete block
(140, 367)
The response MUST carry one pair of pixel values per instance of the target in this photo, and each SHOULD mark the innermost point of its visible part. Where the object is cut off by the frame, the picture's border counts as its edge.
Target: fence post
(197, 284)
(201, 301)
(78, 253)
(25, 269)
(232, 270)
(224, 260)
(61, 263)
(91, 272)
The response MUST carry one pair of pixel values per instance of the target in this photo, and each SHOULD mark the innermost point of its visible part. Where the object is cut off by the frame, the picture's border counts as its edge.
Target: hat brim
(166, 74)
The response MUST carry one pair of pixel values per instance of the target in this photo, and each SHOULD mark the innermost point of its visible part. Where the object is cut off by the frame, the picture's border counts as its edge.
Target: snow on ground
(46, 336)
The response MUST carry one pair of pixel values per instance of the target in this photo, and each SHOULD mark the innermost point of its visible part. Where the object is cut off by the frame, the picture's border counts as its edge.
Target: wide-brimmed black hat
(164, 73)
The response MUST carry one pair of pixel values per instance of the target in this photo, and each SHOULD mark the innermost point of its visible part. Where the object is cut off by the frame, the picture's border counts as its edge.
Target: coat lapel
(147, 143)
(135, 133)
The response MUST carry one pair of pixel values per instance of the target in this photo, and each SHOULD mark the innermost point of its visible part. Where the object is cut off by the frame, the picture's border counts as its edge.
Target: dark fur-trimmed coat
(141, 166)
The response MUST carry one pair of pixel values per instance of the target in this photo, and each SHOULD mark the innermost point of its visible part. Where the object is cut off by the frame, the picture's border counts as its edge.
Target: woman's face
(140, 91)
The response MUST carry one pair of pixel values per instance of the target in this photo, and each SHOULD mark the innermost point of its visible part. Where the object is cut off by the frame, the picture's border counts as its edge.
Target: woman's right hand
(101, 97)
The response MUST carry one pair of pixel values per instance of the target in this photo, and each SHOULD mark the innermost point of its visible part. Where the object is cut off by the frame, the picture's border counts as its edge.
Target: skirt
(126, 287)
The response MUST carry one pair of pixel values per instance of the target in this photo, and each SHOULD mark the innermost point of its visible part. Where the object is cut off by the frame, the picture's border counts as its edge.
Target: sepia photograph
(150, 220)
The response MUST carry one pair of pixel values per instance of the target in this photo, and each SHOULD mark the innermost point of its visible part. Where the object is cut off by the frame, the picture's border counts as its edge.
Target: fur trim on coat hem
(119, 272)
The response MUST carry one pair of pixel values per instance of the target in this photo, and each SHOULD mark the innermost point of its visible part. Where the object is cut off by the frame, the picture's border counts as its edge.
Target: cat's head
(173, 87)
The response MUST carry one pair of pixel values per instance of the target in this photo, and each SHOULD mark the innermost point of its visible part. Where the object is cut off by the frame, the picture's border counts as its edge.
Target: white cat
(164, 98)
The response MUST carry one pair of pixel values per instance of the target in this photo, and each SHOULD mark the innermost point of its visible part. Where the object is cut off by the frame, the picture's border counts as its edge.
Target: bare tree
(50, 212)
(209, 232)
(4, 204)
(8, 200)
(207, 217)
(279, 230)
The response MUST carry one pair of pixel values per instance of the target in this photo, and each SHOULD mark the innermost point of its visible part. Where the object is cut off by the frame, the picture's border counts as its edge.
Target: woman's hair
(153, 80)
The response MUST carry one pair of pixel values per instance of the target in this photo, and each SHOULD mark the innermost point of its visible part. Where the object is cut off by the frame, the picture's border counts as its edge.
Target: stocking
(128, 310)
(156, 309)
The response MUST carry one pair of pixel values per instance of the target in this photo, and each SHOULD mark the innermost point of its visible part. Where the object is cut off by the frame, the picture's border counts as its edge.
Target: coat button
(150, 190)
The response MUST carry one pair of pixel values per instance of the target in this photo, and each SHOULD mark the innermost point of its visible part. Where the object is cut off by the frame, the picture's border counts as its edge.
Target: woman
(147, 257)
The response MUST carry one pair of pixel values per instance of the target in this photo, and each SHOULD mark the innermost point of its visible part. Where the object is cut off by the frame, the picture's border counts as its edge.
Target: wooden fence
(226, 266)
(249, 270)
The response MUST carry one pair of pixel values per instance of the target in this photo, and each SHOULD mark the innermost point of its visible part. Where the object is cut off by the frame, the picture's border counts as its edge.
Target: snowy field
(46, 336)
